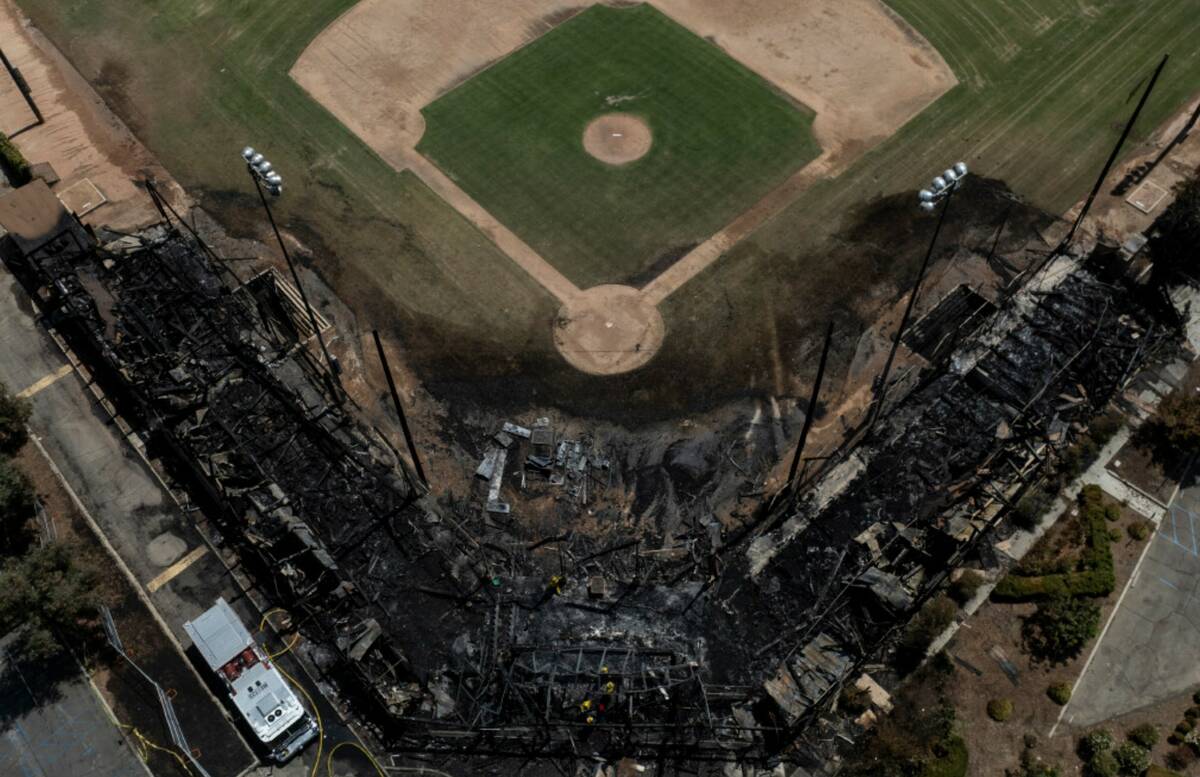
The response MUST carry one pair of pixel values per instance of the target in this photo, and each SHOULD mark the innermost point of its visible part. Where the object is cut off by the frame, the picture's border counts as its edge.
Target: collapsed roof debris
(465, 635)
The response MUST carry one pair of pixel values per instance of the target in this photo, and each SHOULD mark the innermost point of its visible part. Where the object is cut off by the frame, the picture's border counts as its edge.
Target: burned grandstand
(455, 633)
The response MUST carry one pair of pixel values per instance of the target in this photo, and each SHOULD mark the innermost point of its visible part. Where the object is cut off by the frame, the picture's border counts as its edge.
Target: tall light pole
(265, 178)
(943, 189)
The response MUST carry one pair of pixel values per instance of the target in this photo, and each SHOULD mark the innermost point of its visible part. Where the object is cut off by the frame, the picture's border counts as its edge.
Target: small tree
(931, 621)
(1094, 743)
(16, 508)
(1000, 710)
(1059, 693)
(14, 414)
(1060, 628)
(1179, 421)
(965, 587)
(1176, 234)
(50, 590)
(1103, 765)
(1132, 759)
(1145, 735)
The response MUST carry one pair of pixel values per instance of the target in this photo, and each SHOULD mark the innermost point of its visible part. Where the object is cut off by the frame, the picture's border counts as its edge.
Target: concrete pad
(165, 549)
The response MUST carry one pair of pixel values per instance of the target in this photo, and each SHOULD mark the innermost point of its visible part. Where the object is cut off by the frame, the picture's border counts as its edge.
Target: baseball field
(438, 172)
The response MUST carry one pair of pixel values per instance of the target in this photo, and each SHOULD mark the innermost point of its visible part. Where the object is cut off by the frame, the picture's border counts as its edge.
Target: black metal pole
(23, 87)
(408, 439)
(1112, 158)
(812, 407)
(912, 299)
(332, 376)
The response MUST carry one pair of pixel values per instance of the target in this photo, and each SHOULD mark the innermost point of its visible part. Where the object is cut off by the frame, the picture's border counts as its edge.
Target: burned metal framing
(311, 501)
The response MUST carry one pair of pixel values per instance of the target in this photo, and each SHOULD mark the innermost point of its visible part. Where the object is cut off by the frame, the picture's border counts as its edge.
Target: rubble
(452, 631)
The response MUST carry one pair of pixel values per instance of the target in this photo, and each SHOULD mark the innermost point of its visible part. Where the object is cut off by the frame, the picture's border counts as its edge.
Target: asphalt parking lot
(52, 723)
(154, 538)
(1147, 653)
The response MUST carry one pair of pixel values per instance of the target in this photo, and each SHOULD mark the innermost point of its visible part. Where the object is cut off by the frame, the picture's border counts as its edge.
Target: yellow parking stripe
(47, 381)
(173, 571)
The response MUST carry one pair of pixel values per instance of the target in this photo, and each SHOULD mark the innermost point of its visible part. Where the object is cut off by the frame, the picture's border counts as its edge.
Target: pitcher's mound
(617, 138)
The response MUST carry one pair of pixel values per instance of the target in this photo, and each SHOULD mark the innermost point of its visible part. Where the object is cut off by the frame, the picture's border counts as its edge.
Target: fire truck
(254, 686)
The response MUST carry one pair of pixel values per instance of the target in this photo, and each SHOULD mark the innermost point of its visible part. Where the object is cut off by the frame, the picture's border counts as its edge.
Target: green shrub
(1104, 428)
(16, 508)
(1132, 759)
(950, 759)
(1000, 710)
(1192, 713)
(966, 586)
(1094, 743)
(1139, 530)
(1103, 765)
(14, 414)
(1031, 507)
(1078, 457)
(1059, 628)
(1184, 727)
(1145, 735)
(932, 620)
(1059, 693)
(13, 162)
(1196, 697)
(1095, 576)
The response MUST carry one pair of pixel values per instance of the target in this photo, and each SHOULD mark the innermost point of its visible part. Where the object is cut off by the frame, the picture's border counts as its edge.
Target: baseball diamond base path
(860, 67)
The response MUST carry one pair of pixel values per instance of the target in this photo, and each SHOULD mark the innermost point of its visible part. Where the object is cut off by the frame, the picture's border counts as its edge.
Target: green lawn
(1045, 88)
(512, 138)
(197, 81)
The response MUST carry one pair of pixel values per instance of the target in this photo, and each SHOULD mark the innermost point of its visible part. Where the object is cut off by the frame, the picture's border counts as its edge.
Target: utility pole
(1112, 158)
(944, 187)
(408, 438)
(261, 172)
(812, 408)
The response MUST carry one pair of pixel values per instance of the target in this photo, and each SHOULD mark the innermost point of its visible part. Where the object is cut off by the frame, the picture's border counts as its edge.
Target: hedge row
(1094, 577)
(13, 162)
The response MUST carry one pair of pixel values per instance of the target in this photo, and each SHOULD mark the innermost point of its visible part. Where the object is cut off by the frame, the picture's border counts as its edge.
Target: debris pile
(461, 635)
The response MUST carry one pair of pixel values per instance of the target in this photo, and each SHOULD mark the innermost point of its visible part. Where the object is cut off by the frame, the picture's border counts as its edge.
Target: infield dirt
(857, 64)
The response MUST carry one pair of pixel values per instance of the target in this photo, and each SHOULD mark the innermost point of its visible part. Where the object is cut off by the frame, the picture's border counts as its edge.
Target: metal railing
(174, 730)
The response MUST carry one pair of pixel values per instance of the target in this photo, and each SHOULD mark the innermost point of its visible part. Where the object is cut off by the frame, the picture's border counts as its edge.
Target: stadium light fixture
(942, 187)
(263, 171)
(266, 179)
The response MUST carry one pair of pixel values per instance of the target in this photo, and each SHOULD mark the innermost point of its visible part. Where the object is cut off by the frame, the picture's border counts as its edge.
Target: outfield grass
(1045, 88)
(512, 138)
(197, 81)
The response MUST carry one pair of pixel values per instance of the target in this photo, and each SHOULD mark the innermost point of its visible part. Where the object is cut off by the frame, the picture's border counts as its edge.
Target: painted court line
(173, 571)
(46, 382)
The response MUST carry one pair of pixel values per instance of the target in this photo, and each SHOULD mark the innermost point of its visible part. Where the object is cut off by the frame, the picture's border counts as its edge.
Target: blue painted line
(1168, 583)
(1192, 528)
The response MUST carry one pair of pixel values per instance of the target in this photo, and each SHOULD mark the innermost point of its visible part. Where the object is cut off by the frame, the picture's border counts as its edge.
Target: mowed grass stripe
(511, 137)
(203, 79)
(1043, 120)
